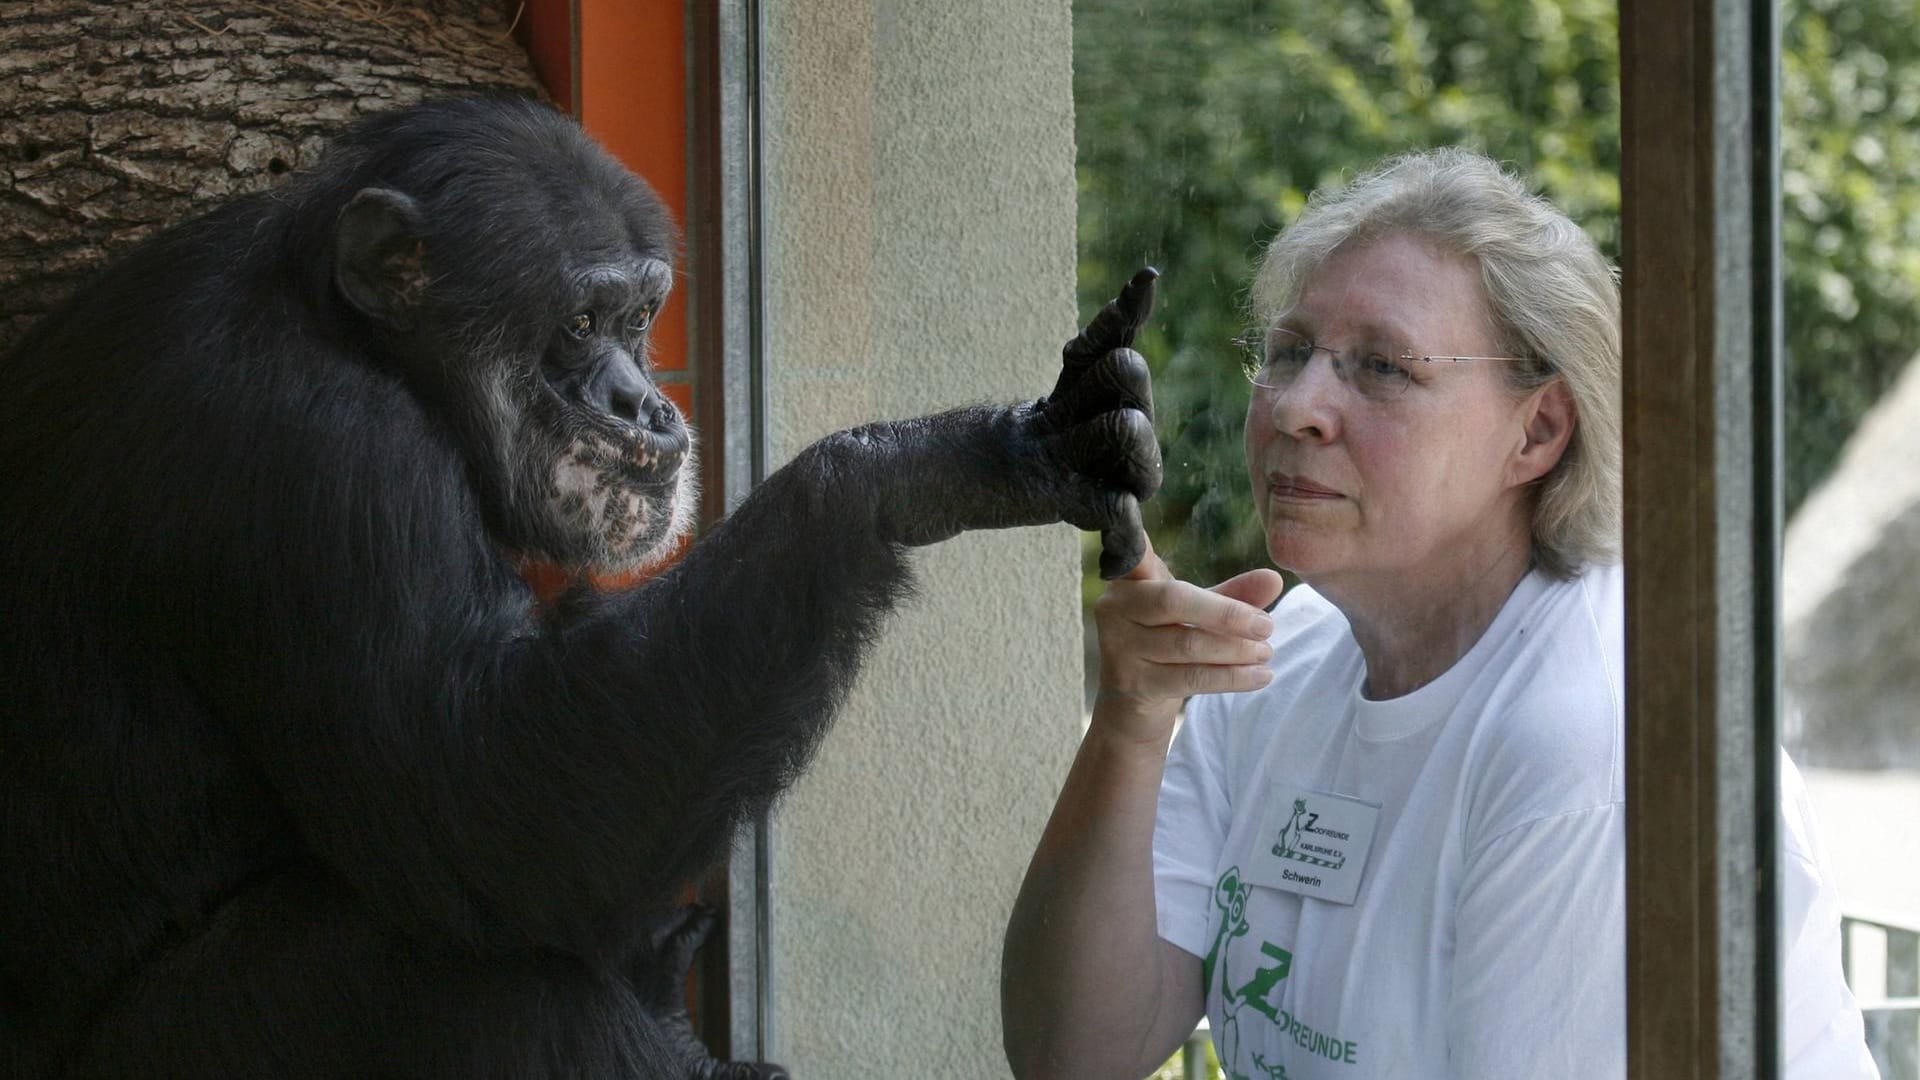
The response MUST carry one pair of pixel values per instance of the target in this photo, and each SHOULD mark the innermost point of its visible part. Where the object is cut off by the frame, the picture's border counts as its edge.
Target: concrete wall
(919, 167)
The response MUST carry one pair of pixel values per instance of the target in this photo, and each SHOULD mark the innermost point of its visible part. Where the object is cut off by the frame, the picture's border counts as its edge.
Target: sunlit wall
(921, 256)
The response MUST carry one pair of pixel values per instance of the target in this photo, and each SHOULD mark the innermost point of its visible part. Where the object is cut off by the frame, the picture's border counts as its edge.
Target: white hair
(1551, 297)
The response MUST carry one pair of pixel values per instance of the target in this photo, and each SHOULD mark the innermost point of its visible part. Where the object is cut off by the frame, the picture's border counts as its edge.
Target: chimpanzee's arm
(557, 784)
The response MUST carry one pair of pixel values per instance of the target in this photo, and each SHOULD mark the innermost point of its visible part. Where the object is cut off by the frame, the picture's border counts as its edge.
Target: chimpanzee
(297, 777)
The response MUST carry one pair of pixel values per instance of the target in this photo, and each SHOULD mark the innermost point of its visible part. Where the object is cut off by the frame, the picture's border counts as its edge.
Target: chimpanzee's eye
(640, 324)
(580, 325)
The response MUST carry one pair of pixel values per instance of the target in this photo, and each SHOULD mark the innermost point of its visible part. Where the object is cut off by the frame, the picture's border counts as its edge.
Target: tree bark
(122, 117)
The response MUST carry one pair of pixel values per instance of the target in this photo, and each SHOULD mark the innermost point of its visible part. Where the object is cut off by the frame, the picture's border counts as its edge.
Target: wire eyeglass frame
(1257, 363)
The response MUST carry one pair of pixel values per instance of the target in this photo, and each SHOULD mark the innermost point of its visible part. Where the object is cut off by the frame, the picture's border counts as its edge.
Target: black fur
(295, 778)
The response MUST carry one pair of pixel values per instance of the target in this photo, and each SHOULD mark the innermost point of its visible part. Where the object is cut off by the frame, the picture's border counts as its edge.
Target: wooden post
(1701, 397)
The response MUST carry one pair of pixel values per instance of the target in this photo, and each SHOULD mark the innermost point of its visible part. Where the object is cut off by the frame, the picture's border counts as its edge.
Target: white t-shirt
(1486, 938)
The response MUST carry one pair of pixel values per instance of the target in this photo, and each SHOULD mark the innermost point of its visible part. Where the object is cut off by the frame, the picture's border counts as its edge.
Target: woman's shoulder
(1566, 652)
(1550, 731)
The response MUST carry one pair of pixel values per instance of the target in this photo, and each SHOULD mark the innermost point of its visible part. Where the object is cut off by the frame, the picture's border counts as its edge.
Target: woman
(1389, 839)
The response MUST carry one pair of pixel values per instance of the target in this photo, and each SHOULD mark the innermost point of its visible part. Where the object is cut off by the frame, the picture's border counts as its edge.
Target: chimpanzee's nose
(644, 407)
(629, 395)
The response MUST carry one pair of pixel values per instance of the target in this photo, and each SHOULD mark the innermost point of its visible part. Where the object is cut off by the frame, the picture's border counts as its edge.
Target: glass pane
(1203, 127)
(1851, 589)
(1411, 707)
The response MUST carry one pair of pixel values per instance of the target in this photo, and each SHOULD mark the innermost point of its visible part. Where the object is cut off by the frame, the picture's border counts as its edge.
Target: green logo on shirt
(1258, 993)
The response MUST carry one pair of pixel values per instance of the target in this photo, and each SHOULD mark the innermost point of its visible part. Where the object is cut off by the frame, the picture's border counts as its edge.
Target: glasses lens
(1251, 357)
(1283, 356)
(1379, 376)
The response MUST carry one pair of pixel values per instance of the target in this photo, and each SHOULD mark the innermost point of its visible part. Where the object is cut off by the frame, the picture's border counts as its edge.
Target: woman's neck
(1412, 631)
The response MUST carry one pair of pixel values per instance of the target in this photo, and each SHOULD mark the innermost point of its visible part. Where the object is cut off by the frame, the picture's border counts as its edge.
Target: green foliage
(1850, 223)
(1203, 126)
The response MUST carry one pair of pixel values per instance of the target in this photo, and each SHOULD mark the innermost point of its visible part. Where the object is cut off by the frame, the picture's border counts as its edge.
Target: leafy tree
(1850, 220)
(1203, 126)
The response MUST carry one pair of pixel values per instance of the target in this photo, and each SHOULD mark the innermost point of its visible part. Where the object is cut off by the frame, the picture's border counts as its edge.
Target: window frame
(1702, 414)
(726, 299)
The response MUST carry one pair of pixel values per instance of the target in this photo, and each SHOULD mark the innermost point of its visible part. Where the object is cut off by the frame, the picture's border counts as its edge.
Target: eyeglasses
(1275, 362)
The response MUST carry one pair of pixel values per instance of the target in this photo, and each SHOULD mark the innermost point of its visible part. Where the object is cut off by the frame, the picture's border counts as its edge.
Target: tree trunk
(121, 117)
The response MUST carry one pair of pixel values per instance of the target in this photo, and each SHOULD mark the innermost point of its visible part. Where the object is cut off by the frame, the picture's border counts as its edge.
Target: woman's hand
(1162, 640)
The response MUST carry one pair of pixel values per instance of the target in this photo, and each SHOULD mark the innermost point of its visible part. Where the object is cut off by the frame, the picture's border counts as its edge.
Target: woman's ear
(1547, 420)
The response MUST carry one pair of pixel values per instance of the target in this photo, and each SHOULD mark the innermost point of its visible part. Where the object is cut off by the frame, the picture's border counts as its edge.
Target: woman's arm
(1088, 988)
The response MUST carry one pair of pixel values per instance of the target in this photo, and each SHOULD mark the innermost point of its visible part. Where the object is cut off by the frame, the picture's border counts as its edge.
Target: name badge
(1313, 843)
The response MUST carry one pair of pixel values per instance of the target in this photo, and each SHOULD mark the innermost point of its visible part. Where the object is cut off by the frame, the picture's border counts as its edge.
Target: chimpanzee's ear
(379, 258)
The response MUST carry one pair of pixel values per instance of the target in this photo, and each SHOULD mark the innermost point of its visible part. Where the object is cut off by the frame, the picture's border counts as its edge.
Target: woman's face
(1357, 489)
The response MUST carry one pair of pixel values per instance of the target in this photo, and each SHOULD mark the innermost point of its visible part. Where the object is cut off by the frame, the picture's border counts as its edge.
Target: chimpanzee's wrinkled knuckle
(1085, 506)
(1099, 448)
(1140, 470)
(1125, 382)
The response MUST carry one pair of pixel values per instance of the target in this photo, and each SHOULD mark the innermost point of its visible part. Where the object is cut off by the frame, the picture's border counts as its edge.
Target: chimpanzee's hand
(1098, 423)
(1084, 454)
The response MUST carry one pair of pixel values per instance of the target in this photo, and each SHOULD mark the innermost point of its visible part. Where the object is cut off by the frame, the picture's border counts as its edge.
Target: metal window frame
(727, 347)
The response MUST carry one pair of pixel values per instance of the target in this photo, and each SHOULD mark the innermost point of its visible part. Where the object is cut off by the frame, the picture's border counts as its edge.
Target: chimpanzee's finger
(1117, 449)
(1118, 380)
(1124, 543)
(1112, 328)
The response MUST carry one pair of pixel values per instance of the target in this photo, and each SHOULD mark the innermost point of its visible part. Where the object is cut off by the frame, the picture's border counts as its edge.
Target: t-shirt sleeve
(1191, 826)
(1539, 971)
(1822, 1036)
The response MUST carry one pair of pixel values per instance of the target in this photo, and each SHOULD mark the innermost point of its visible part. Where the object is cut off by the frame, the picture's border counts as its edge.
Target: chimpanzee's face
(619, 480)
(605, 466)
(524, 288)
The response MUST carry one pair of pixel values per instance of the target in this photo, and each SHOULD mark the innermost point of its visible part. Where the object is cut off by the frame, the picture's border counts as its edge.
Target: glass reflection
(1851, 585)
(1201, 131)
(1446, 686)
(1202, 127)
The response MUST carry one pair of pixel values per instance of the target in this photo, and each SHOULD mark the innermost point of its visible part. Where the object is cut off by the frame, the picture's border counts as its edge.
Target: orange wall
(629, 91)
(545, 30)
(633, 98)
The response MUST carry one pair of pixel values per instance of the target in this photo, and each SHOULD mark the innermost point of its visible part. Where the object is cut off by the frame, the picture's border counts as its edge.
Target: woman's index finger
(1182, 603)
